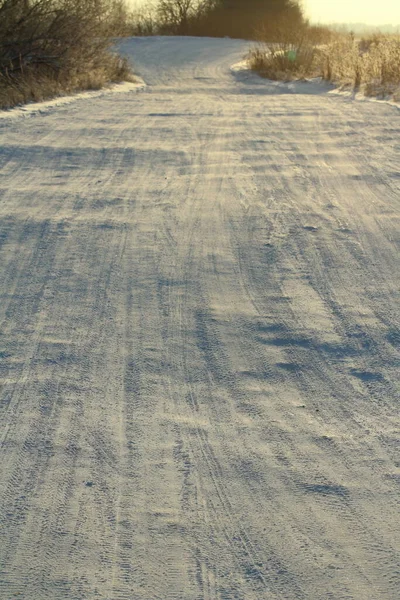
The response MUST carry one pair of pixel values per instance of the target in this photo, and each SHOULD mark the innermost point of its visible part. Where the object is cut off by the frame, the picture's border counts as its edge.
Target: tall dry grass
(370, 65)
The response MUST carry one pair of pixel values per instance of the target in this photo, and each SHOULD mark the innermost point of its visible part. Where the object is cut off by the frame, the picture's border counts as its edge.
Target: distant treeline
(246, 19)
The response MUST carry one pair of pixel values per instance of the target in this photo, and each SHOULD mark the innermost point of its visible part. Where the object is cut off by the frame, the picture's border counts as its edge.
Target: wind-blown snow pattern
(200, 339)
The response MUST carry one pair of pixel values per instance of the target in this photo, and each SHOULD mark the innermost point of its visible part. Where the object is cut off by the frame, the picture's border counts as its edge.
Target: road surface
(200, 339)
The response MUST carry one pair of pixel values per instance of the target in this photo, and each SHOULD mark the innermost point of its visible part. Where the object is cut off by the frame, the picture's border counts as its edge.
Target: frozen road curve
(200, 340)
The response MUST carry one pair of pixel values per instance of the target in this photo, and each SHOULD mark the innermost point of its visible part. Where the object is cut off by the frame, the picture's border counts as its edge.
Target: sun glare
(384, 12)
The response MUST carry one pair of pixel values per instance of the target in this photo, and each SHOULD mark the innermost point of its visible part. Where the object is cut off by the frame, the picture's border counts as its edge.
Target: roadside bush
(48, 47)
(283, 63)
(371, 64)
(287, 50)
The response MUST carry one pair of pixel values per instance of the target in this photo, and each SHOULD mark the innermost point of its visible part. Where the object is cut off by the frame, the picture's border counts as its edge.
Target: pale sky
(370, 12)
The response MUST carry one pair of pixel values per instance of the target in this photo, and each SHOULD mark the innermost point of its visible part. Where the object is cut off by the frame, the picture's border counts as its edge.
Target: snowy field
(200, 339)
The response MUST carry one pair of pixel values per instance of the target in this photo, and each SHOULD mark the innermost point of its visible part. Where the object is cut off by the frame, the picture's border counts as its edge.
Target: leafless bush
(50, 46)
(287, 50)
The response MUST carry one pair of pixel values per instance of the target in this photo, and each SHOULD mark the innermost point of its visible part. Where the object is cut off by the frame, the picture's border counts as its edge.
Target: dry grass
(36, 86)
(370, 65)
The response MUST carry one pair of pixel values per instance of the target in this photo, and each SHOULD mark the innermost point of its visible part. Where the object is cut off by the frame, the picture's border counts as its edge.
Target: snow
(44, 107)
(199, 339)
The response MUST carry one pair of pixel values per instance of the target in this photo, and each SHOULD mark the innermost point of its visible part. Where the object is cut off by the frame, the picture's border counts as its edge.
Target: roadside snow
(48, 105)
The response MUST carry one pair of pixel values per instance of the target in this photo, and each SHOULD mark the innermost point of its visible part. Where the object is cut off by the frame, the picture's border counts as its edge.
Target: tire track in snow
(201, 417)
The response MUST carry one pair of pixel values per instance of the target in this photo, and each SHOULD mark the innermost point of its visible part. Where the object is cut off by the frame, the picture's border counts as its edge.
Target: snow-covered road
(200, 339)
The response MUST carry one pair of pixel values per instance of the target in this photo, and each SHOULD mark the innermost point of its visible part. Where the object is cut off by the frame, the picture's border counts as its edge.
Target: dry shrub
(49, 47)
(283, 63)
(36, 86)
(371, 64)
(287, 51)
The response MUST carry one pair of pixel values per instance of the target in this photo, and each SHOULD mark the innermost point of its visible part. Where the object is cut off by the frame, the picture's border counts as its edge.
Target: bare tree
(143, 21)
(175, 16)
